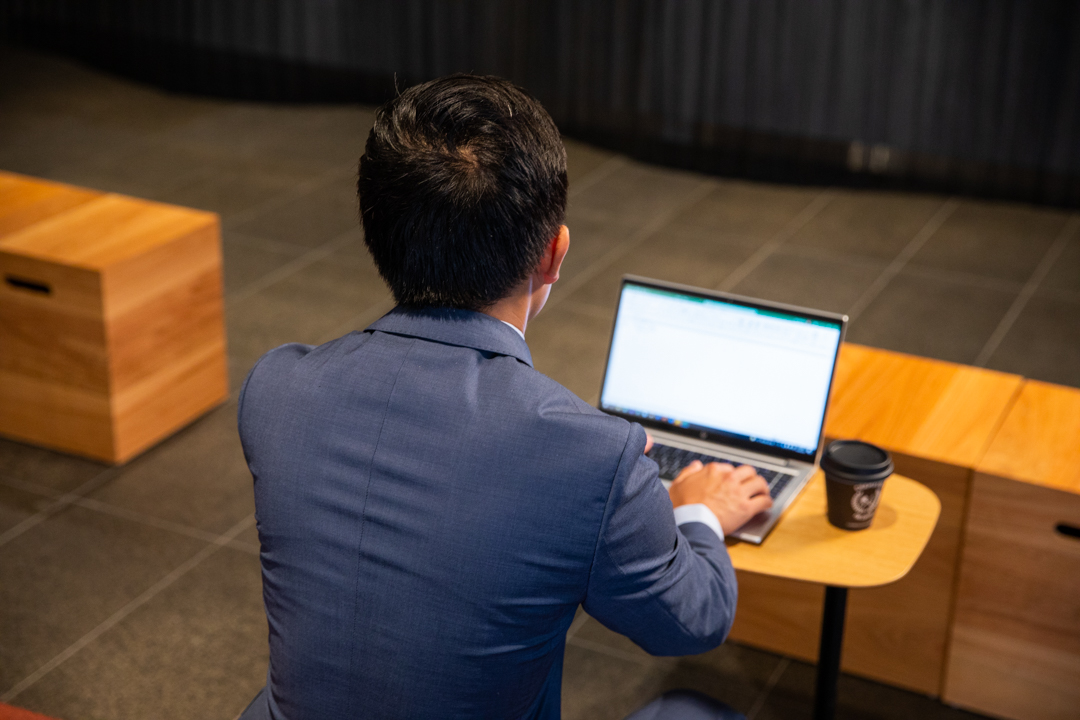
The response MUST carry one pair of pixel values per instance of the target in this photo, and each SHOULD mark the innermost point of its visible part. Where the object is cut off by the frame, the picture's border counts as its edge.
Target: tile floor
(133, 592)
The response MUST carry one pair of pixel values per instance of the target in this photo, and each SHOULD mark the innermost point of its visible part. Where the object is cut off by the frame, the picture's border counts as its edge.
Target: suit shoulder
(275, 364)
(277, 368)
(584, 424)
(557, 398)
(283, 357)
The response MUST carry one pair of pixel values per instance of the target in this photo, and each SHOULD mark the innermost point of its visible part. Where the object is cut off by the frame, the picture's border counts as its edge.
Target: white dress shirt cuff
(698, 512)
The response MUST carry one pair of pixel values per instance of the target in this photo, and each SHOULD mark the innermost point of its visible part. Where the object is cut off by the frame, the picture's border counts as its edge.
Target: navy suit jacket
(432, 511)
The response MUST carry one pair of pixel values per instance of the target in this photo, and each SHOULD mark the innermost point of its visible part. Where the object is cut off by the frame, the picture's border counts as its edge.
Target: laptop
(718, 377)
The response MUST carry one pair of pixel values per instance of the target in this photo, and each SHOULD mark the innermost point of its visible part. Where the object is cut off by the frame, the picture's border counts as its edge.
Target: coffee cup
(854, 473)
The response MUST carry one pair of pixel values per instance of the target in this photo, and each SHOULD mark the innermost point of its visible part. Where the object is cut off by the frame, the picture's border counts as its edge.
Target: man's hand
(733, 494)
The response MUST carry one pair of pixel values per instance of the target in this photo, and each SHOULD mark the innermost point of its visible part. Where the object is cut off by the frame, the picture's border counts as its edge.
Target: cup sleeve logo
(865, 500)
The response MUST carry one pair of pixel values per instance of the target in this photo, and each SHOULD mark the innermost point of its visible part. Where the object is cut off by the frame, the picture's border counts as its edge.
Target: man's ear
(554, 256)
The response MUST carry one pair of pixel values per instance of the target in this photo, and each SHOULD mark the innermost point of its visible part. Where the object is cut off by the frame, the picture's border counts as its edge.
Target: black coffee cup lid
(856, 461)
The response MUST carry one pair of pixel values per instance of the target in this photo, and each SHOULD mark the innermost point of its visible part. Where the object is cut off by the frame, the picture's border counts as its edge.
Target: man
(431, 509)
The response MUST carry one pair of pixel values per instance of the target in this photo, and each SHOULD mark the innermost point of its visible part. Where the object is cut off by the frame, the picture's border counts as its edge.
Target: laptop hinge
(720, 449)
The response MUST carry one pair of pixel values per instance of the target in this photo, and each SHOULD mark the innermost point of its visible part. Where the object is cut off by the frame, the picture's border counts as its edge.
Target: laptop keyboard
(672, 460)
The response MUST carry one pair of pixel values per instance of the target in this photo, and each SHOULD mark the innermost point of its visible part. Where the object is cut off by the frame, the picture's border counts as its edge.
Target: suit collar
(456, 327)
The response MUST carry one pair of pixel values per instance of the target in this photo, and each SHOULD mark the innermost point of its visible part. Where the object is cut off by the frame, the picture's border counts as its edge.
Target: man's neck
(520, 306)
(511, 315)
(528, 298)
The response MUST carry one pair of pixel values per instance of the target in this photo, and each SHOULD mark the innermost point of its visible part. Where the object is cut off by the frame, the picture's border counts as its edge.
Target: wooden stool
(936, 418)
(804, 547)
(111, 318)
(1015, 648)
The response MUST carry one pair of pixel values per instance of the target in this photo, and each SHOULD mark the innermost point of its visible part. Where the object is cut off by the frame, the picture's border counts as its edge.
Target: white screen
(762, 375)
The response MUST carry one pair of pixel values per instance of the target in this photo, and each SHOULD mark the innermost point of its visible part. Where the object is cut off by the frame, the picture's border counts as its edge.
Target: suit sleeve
(671, 590)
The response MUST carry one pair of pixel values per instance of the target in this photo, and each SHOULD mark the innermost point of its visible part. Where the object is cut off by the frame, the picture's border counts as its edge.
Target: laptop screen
(722, 369)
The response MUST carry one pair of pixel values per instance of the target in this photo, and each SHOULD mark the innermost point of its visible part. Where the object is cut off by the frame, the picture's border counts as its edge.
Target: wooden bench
(937, 419)
(1015, 648)
(112, 328)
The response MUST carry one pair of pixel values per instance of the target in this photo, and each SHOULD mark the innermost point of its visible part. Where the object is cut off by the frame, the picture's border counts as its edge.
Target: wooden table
(936, 418)
(1015, 648)
(804, 547)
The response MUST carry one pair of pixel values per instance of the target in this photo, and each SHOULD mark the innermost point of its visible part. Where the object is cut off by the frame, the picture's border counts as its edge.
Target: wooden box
(1015, 649)
(936, 418)
(111, 318)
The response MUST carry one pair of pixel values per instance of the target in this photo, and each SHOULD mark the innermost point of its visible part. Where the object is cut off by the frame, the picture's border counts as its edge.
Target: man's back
(432, 511)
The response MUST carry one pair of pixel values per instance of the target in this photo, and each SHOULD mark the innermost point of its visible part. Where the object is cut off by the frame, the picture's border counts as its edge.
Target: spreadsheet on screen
(760, 374)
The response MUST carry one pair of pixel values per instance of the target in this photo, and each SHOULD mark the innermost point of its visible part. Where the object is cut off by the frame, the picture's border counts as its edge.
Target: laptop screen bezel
(712, 435)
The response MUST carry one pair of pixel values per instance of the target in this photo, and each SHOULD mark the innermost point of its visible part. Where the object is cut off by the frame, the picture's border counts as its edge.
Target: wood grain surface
(25, 201)
(111, 318)
(804, 546)
(54, 372)
(1039, 441)
(1015, 649)
(920, 407)
(899, 632)
(105, 231)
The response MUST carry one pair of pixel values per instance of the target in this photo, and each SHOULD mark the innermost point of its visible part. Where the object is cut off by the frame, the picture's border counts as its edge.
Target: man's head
(462, 188)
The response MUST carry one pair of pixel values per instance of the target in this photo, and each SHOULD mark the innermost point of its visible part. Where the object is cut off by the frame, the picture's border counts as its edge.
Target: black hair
(462, 186)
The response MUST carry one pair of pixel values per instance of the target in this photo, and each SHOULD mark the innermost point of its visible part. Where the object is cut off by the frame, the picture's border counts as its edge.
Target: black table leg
(832, 639)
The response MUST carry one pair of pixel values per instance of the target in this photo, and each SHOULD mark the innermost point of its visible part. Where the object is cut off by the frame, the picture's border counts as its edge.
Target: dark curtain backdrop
(979, 96)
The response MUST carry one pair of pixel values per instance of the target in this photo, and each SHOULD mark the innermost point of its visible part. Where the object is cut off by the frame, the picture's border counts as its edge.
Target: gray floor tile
(310, 219)
(832, 282)
(353, 256)
(687, 255)
(198, 477)
(637, 193)
(239, 367)
(111, 173)
(999, 240)
(247, 260)
(932, 317)
(592, 237)
(75, 125)
(17, 505)
(1065, 273)
(51, 469)
(67, 575)
(857, 699)
(742, 211)
(601, 686)
(335, 139)
(250, 536)
(582, 159)
(1044, 342)
(70, 123)
(989, 282)
(230, 189)
(305, 307)
(143, 108)
(150, 169)
(290, 137)
(62, 148)
(734, 674)
(874, 224)
(172, 174)
(245, 546)
(165, 661)
(718, 247)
